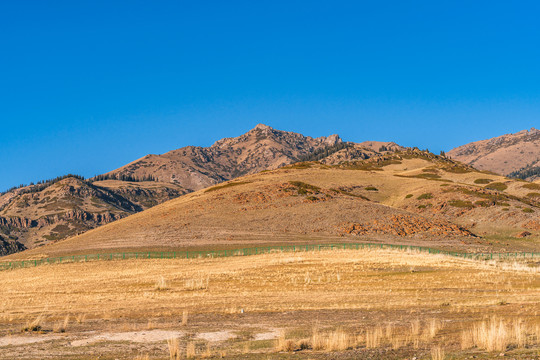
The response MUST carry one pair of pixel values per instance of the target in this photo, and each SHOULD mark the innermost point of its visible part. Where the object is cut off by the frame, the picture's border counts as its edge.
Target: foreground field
(332, 304)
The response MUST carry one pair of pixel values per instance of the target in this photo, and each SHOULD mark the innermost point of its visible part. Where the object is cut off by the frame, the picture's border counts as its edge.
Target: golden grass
(174, 348)
(337, 340)
(61, 326)
(191, 351)
(270, 282)
(34, 325)
(410, 294)
(185, 317)
(437, 353)
(161, 284)
(284, 344)
(497, 334)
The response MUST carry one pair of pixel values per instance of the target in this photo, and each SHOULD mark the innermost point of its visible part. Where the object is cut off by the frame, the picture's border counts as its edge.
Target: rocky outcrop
(405, 225)
(9, 246)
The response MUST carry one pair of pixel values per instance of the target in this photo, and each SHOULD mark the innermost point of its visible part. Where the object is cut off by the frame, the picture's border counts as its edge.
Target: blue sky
(87, 86)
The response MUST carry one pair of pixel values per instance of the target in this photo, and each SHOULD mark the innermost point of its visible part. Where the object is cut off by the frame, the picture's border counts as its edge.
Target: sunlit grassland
(397, 300)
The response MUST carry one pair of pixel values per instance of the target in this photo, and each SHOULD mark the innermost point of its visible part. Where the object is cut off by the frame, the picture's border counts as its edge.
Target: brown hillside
(407, 197)
(39, 214)
(195, 167)
(504, 154)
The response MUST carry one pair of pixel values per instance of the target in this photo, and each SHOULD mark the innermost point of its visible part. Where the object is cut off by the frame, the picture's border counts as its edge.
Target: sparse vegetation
(496, 186)
(228, 185)
(531, 186)
(382, 277)
(483, 181)
(304, 189)
(199, 283)
(425, 196)
(461, 204)
(34, 325)
(496, 334)
(161, 284)
(525, 173)
(321, 153)
(174, 349)
(533, 195)
(371, 188)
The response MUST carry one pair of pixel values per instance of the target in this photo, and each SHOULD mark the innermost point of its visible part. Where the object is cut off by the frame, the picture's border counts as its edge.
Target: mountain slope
(39, 214)
(404, 197)
(194, 168)
(506, 154)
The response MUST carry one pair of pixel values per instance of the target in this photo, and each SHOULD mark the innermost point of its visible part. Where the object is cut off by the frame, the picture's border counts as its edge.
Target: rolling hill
(408, 197)
(516, 154)
(46, 212)
(36, 215)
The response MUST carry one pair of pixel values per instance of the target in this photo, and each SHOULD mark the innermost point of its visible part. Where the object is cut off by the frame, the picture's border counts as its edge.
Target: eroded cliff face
(40, 214)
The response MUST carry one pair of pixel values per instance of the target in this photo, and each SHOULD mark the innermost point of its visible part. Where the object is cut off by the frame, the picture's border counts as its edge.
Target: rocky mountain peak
(262, 127)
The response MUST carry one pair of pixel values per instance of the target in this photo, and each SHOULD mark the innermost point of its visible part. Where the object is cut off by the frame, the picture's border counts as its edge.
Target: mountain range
(319, 186)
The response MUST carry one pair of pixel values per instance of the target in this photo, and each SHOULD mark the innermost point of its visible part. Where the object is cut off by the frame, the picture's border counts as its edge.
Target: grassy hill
(409, 197)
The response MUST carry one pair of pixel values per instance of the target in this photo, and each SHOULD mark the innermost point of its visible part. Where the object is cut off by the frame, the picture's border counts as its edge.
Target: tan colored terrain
(195, 167)
(504, 154)
(37, 215)
(341, 304)
(406, 197)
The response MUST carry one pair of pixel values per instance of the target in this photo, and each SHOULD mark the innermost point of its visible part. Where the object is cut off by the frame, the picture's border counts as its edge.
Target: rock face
(517, 153)
(9, 246)
(406, 225)
(194, 168)
(39, 214)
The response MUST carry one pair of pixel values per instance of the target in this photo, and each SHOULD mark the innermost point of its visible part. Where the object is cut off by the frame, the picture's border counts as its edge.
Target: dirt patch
(216, 336)
(132, 336)
(24, 340)
(269, 335)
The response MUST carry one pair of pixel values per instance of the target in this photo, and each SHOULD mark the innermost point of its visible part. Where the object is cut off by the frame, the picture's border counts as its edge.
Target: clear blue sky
(87, 86)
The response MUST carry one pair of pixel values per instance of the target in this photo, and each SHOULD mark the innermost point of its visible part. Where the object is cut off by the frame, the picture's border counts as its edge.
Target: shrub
(531, 186)
(482, 181)
(231, 184)
(483, 203)
(425, 196)
(527, 210)
(371, 188)
(461, 204)
(303, 189)
(428, 176)
(409, 196)
(496, 186)
(533, 195)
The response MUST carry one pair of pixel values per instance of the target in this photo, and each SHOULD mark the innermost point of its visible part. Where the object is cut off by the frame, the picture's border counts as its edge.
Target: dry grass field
(341, 304)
